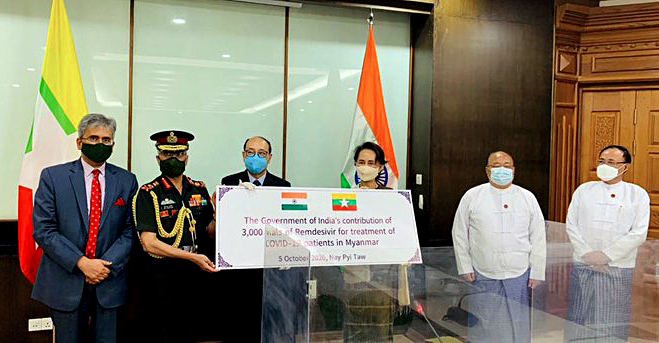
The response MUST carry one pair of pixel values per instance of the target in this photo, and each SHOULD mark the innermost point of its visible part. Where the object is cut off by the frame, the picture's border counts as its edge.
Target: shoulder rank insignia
(149, 186)
(196, 183)
(166, 183)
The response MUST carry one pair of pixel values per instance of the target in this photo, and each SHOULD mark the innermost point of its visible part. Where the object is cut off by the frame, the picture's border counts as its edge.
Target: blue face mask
(502, 176)
(256, 164)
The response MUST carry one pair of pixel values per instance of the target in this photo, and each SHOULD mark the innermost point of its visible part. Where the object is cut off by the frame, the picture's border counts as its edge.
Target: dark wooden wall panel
(589, 3)
(8, 237)
(16, 306)
(492, 84)
(419, 140)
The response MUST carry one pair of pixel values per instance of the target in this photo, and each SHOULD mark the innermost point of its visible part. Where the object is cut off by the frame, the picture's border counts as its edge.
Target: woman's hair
(379, 153)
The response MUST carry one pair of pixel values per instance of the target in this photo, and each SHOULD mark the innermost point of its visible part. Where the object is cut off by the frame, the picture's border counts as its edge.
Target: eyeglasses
(97, 139)
(251, 153)
(169, 154)
(609, 163)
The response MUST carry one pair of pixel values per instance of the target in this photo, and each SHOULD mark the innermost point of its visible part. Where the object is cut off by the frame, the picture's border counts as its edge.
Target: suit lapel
(244, 177)
(110, 190)
(77, 179)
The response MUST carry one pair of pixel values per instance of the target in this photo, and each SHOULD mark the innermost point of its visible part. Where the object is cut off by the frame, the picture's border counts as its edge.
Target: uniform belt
(189, 248)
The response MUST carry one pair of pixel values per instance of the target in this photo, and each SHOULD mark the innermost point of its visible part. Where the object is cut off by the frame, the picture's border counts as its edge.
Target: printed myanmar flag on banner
(60, 106)
(344, 202)
(370, 122)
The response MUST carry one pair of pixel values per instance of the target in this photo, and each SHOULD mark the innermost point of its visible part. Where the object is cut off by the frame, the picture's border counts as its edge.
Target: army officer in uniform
(172, 214)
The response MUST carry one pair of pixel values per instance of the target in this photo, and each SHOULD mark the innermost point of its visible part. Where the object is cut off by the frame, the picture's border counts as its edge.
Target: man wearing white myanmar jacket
(500, 246)
(607, 221)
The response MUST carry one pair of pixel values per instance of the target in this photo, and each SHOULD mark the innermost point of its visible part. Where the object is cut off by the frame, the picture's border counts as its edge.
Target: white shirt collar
(501, 191)
(261, 179)
(613, 186)
(87, 169)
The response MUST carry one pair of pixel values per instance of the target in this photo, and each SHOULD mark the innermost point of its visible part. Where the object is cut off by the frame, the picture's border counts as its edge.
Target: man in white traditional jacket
(607, 221)
(500, 246)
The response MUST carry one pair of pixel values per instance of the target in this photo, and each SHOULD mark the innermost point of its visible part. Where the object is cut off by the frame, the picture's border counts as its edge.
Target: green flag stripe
(350, 202)
(344, 181)
(293, 207)
(55, 108)
(28, 148)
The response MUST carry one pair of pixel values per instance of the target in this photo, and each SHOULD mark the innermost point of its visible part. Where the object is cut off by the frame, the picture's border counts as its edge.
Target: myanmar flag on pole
(60, 106)
(370, 122)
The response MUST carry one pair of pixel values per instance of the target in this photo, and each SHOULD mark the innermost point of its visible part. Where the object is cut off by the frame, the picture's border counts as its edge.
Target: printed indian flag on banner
(60, 106)
(344, 202)
(294, 201)
(370, 122)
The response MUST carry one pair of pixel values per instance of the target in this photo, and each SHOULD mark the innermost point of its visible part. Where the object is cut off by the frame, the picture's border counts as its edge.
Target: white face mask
(367, 173)
(606, 172)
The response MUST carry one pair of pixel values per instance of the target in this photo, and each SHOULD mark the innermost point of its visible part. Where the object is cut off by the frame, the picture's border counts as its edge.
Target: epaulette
(166, 183)
(196, 183)
(149, 186)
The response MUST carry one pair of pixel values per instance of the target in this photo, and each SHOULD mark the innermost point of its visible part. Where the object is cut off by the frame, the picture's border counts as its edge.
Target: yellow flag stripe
(347, 196)
(60, 70)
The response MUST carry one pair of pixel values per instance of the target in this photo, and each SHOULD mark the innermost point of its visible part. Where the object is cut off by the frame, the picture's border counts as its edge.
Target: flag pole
(370, 121)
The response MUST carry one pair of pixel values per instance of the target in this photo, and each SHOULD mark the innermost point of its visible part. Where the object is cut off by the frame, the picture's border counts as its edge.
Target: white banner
(293, 227)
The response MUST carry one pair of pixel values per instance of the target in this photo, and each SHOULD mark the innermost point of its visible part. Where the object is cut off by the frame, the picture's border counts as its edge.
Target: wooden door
(646, 151)
(607, 117)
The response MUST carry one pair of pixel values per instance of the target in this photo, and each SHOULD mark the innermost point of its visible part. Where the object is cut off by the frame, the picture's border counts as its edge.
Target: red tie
(94, 216)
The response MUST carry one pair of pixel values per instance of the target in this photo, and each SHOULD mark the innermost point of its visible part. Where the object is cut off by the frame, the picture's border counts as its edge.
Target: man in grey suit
(82, 222)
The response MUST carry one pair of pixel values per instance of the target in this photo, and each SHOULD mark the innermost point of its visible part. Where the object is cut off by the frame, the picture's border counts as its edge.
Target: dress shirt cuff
(537, 274)
(610, 252)
(581, 250)
(465, 269)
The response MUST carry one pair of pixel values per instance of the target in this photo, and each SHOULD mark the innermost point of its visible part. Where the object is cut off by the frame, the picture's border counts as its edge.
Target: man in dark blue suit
(276, 308)
(82, 222)
(257, 153)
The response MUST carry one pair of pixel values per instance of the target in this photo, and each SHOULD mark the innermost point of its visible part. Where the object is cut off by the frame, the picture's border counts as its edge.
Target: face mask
(606, 172)
(502, 176)
(98, 153)
(172, 167)
(256, 164)
(367, 173)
